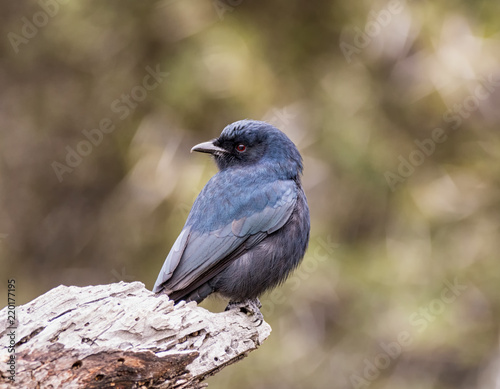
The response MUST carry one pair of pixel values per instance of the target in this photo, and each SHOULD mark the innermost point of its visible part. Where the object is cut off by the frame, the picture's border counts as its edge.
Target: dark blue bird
(248, 228)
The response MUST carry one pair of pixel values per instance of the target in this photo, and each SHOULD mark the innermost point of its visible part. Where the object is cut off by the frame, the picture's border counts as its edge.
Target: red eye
(241, 148)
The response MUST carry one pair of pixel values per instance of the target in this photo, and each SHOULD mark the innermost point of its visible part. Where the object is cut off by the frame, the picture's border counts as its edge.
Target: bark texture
(121, 336)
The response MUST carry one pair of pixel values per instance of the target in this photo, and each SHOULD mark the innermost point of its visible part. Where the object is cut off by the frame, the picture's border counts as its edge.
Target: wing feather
(198, 256)
(172, 260)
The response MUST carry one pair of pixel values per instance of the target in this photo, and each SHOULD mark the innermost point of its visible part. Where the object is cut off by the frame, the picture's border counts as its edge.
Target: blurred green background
(394, 106)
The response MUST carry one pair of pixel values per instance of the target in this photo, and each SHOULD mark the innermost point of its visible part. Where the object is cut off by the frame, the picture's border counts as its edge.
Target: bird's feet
(250, 307)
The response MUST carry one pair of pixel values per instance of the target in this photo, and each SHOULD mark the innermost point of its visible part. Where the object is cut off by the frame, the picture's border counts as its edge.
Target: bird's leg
(248, 307)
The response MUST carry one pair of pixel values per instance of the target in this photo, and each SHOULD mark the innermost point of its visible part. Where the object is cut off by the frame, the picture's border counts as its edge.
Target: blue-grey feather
(249, 226)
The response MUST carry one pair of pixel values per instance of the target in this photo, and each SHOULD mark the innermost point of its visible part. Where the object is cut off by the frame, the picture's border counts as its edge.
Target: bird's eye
(241, 148)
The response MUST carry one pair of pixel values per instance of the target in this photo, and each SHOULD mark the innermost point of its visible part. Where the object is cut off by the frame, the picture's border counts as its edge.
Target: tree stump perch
(121, 336)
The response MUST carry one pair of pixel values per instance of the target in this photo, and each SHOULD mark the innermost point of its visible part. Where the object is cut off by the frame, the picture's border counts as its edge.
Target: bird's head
(251, 142)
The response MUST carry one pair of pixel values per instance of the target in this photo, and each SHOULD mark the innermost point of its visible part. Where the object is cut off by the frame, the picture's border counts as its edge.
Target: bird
(248, 229)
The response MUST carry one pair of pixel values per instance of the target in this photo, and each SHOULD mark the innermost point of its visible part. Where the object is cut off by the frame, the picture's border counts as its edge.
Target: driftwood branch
(121, 336)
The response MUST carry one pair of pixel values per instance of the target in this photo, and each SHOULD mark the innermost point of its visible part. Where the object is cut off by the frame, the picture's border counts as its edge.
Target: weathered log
(120, 336)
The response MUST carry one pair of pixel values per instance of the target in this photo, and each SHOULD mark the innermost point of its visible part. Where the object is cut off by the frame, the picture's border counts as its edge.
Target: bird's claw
(250, 307)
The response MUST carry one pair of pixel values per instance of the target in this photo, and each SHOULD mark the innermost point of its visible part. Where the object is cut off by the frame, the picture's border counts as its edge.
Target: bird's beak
(209, 147)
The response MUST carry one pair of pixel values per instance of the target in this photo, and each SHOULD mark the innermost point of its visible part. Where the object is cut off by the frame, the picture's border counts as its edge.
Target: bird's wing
(172, 260)
(199, 253)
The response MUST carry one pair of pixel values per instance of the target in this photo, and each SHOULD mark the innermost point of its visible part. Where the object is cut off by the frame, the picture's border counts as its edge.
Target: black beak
(209, 147)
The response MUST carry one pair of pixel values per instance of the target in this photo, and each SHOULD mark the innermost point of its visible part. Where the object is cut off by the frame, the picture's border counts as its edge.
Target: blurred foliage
(400, 286)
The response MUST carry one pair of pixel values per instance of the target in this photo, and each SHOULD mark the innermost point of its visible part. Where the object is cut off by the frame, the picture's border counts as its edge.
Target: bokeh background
(394, 106)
